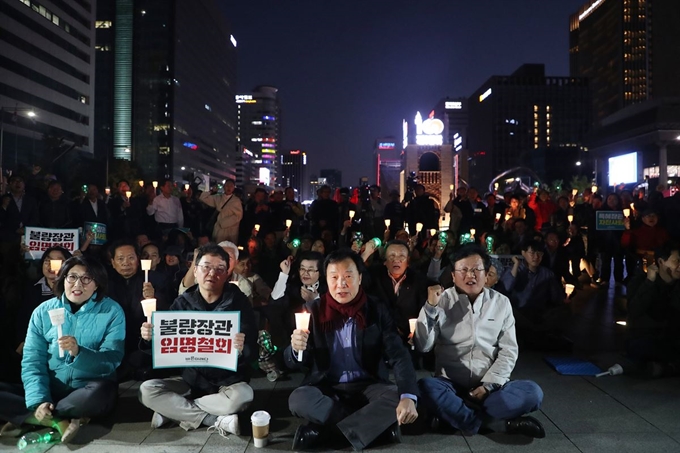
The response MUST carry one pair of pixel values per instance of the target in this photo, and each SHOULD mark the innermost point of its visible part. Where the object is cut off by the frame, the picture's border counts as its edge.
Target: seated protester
(642, 241)
(556, 258)
(402, 288)
(173, 268)
(347, 387)
(38, 293)
(475, 355)
(127, 287)
(151, 252)
(539, 303)
(259, 293)
(653, 308)
(189, 279)
(216, 395)
(518, 235)
(60, 391)
(299, 282)
(493, 275)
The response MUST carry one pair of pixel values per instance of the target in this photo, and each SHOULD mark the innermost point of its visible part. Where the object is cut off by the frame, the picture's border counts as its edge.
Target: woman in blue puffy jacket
(63, 390)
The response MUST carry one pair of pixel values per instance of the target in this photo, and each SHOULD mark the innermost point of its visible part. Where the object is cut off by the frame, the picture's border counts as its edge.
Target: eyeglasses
(308, 271)
(474, 272)
(84, 279)
(217, 270)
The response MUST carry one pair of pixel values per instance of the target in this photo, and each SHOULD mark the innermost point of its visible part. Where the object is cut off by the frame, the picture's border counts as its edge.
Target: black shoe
(306, 438)
(526, 426)
(394, 434)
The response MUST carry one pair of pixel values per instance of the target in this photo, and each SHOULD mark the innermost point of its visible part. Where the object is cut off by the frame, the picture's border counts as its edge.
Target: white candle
(288, 223)
(128, 194)
(387, 222)
(498, 216)
(419, 227)
(141, 183)
(154, 184)
(146, 267)
(507, 217)
(107, 191)
(257, 227)
(569, 288)
(302, 323)
(472, 232)
(450, 186)
(626, 212)
(57, 316)
(148, 306)
(186, 186)
(574, 192)
(570, 218)
(433, 231)
(412, 325)
(351, 214)
(593, 189)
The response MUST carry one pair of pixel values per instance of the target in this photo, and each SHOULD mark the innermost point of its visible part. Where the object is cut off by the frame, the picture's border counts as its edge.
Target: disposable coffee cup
(260, 421)
(149, 306)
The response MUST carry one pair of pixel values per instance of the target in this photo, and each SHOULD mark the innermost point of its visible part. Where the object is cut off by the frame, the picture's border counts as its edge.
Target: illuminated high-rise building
(259, 130)
(628, 49)
(332, 176)
(527, 119)
(386, 164)
(166, 77)
(293, 165)
(47, 79)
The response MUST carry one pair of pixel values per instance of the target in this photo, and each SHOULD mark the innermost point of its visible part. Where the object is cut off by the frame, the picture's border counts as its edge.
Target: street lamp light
(29, 112)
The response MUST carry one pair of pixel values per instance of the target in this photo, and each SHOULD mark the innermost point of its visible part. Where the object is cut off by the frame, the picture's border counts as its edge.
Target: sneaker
(10, 430)
(157, 420)
(526, 426)
(225, 425)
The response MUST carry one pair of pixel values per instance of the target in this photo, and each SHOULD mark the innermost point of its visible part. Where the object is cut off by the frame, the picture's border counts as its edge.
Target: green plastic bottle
(32, 441)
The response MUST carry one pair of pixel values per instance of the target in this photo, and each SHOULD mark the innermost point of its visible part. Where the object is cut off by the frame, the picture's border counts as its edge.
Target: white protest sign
(37, 240)
(195, 339)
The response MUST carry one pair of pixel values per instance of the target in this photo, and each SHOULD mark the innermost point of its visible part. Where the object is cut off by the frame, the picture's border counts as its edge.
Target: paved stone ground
(581, 414)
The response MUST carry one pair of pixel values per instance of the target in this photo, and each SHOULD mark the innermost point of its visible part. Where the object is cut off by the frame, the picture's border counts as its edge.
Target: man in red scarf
(347, 387)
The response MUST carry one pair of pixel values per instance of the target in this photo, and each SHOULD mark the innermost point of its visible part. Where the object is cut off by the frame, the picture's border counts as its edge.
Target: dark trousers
(96, 399)
(362, 411)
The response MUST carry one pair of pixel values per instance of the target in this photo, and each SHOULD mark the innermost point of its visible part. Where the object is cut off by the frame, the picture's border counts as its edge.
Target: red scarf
(333, 314)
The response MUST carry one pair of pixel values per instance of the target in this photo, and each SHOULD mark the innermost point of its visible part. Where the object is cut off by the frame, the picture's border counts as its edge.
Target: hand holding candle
(302, 323)
(149, 306)
(57, 316)
(146, 267)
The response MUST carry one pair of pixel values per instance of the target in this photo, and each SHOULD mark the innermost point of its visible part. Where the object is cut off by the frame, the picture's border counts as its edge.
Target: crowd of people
(386, 290)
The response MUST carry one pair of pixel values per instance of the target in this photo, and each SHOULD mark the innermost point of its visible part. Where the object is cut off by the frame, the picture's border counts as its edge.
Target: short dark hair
(471, 250)
(94, 268)
(53, 183)
(342, 255)
(536, 246)
(229, 180)
(665, 251)
(123, 243)
(14, 177)
(46, 253)
(398, 242)
(312, 256)
(212, 249)
(123, 180)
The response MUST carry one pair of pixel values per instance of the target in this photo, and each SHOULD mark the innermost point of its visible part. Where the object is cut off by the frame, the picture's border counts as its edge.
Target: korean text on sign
(37, 240)
(195, 338)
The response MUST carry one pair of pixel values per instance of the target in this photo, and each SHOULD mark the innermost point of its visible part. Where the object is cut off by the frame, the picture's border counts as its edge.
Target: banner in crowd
(37, 240)
(609, 221)
(195, 339)
(99, 230)
(506, 260)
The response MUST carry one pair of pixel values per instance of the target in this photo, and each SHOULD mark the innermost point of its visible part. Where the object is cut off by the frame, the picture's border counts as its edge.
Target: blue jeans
(514, 399)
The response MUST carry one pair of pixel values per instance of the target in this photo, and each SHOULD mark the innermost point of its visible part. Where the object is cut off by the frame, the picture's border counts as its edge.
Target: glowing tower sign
(429, 132)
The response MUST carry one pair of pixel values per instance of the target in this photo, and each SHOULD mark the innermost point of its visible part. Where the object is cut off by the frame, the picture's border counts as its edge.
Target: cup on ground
(260, 421)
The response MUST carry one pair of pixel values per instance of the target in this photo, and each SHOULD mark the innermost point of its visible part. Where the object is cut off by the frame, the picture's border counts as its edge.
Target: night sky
(349, 71)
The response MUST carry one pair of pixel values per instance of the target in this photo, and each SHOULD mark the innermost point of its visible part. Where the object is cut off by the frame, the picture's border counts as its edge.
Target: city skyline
(347, 81)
